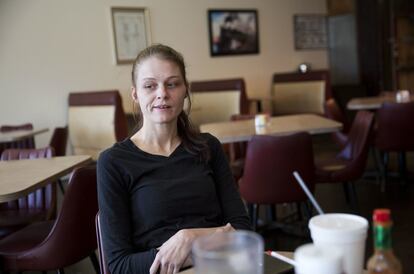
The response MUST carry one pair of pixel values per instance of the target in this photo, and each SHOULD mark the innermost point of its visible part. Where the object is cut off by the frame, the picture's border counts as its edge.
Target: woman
(166, 185)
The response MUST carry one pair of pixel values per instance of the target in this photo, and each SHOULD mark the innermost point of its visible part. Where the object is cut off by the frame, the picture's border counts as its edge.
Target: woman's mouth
(161, 107)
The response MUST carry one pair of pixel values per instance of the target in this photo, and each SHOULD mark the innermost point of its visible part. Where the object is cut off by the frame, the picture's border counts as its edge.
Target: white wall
(51, 47)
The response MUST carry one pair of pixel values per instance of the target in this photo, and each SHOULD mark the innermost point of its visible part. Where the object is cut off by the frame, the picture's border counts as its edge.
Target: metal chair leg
(60, 271)
(60, 183)
(385, 160)
(271, 213)
(255, 216)
(95, 262)
(346, 191)
(402, 166)
(353, 197)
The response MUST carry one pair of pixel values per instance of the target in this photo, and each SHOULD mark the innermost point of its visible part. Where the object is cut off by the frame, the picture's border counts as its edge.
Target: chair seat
(13, 220)
(14, 217)
(334, 164)
(25, 239)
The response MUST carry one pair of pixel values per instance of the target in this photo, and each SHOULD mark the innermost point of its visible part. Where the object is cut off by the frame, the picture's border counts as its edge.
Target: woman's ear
(134, 94)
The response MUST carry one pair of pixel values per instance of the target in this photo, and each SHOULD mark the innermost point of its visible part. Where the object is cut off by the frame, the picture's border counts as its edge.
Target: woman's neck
(157, 139)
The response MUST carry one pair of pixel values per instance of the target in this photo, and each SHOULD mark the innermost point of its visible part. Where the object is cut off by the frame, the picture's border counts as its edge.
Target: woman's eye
(171, 85)
(149, 86)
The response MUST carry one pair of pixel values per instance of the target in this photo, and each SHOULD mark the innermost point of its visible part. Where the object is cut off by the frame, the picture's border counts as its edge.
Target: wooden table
(272, 265)
(371, 103)
(244, 130)
(17, 135)
(21, 177)
(284, 253)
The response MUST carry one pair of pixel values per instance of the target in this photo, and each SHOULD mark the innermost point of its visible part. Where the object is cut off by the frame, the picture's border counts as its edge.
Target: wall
(51, 47)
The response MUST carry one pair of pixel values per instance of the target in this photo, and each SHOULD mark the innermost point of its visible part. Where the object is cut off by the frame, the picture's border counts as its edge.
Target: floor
(331, 198)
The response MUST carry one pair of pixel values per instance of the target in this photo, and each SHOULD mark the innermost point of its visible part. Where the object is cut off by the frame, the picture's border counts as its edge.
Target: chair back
(24, 143)
(294, 93)
(216, 100)
(8, 128)
(357, 146)
(270, 162)
(102, 259)
(96, 121)
(73, 236)
(395, 131)
(333, 112)
(43, 199)
(59, 140)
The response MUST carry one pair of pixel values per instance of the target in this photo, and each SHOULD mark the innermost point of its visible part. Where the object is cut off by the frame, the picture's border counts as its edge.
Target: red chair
(96, 121)
(237, 150)
(37, 206)
(294, 92)
(7, 128)
(57, 244)
(26, 143)
(270, 162)
(349, 165)
(102, 260)
(333, 112)
(59, 141)
(395, 133)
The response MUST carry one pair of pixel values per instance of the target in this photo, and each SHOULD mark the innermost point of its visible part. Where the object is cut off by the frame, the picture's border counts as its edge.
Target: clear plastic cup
(239, 252)
(346, 232)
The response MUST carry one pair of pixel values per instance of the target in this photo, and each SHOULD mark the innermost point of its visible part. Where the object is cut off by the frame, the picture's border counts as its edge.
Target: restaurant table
(18, 178)
(17, 135)
(271, 265)
(372, 103)
(269, 270)
(244, 130)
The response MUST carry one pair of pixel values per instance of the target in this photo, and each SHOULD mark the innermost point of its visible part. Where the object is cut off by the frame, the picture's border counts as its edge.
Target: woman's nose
(162, 92)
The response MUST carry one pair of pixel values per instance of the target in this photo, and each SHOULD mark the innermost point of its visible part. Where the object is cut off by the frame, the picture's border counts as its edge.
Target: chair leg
(60, 271)
(255, 216)
(271, 213)
(60, 183)
(353, 197)
(299, 211)
(95, 262)
(346, 191)
(307, 210)
(385, 160)
(402, 166)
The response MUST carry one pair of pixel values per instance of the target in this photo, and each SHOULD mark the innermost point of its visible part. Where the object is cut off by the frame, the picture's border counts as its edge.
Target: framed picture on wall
(131, 32)
(233, 32)
(310, 31)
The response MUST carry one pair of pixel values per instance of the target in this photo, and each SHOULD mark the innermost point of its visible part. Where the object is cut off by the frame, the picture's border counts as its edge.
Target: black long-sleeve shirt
(144, 199)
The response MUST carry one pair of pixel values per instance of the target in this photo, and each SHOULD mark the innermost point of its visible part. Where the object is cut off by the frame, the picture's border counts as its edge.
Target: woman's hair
(190, 138)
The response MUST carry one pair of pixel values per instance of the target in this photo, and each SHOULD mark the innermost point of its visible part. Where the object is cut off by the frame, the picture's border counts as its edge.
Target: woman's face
(160, 91)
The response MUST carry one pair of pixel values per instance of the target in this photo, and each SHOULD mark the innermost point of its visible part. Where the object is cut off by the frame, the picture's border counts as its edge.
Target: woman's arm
(113, 197)
(175, 253)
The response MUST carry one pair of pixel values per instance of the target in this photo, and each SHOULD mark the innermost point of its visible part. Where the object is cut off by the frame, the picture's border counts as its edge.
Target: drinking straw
(307, 192)
(281, 257)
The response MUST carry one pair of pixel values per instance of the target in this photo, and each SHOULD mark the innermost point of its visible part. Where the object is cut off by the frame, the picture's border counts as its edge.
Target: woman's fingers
(155, 265)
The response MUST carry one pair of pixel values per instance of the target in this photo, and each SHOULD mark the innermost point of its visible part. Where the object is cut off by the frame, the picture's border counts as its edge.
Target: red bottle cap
(382, 215)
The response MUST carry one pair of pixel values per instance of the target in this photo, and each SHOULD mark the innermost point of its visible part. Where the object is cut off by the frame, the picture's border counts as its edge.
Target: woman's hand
(175, 252)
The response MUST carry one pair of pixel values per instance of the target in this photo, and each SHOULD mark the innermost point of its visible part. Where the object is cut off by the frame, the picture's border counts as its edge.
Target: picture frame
(310, 31)
(131, 31)
(233, 31)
